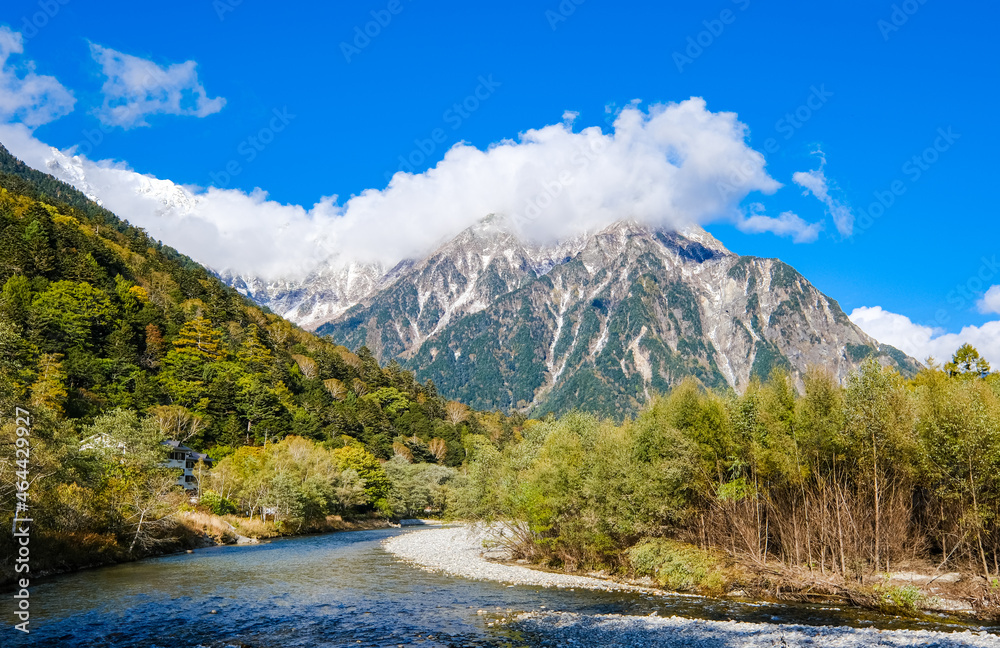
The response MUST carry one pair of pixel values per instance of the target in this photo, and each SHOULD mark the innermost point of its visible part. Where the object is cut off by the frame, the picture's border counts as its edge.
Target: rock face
(321, 297)
(599, 322)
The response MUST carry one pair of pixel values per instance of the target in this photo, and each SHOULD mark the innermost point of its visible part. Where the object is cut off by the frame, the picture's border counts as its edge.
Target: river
(330, 590)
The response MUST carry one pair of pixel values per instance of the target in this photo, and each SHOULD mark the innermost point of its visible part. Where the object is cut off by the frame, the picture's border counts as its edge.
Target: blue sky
(869, 84)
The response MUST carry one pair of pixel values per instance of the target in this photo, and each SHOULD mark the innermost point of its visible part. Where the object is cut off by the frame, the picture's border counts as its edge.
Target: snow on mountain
(600, 321)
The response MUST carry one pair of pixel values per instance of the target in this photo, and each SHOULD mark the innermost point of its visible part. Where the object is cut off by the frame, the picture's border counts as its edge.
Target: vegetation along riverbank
(882, 492)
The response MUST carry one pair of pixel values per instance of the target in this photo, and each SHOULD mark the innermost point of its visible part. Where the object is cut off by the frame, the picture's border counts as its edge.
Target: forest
(849, 480)
(104, 331)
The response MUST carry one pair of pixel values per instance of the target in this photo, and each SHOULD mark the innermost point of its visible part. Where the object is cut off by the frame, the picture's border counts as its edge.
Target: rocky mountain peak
(599, 321)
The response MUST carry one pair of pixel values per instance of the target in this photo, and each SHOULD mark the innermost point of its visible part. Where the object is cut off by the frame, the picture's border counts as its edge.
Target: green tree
(15, 300)
(418, 487)
(136, 483)
(70, 314)
(37, 243)
(49, 389)
(967, 363)
(198, 338)
(260, 405)
(253, 353)
(879, 426)
(378, 489)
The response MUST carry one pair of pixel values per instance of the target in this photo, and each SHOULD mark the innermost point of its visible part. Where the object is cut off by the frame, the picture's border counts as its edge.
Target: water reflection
(332, 590)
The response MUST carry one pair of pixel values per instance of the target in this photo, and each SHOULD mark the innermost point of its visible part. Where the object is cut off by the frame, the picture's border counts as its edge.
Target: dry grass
(207, 524)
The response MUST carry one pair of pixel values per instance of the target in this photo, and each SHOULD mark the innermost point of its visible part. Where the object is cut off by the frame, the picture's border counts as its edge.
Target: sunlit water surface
(332, 590)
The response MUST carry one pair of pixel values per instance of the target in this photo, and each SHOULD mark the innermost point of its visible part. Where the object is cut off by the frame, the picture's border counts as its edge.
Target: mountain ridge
(609, 318)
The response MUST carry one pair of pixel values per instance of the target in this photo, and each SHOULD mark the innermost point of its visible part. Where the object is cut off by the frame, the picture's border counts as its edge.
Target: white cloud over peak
(137, 88)
(922, 341)
(26, 97)
(673, 165)
(816, 182)
(990, 302)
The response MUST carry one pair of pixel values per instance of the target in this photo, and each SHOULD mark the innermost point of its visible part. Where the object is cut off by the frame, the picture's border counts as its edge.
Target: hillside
(94, 316)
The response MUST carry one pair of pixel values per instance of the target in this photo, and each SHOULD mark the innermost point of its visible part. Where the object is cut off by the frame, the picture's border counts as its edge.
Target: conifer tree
(198, 338)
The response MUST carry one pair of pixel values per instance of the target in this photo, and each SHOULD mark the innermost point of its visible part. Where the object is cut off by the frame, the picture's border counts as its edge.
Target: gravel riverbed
(459, 551)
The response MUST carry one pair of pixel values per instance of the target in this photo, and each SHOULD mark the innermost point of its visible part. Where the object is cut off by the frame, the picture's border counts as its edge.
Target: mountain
(320, 297)
(601, 321)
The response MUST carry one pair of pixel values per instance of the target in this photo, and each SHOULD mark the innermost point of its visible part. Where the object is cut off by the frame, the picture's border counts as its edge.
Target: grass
(895, 599)
(680, 567)
(209, 524)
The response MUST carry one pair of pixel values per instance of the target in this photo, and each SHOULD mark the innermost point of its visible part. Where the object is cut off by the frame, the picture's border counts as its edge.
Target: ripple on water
(334, 590)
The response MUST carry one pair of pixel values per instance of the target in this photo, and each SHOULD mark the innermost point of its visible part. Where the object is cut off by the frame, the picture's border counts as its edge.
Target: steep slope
(602, 321)
(95, 316)
(465, 276)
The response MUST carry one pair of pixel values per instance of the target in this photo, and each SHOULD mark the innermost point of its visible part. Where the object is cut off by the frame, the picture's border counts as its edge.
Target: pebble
(621, 631)
(458, 551)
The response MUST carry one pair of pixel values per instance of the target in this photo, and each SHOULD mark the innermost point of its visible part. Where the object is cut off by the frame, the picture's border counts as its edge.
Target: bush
(217, 503)
(891, 598)
(679, 566)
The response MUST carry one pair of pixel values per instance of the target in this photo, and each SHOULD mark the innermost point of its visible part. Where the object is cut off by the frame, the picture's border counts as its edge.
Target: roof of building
(177, 445)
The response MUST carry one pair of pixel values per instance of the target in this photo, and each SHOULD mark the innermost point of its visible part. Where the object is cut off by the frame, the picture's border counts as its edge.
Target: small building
(178, 456)
(183, 457)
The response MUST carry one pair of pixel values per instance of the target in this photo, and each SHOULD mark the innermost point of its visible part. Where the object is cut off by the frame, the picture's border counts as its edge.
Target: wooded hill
(95, 315)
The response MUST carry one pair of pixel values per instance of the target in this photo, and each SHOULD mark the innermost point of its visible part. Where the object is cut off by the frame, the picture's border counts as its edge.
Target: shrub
(679, 566)
(217, 503)
(892, 598)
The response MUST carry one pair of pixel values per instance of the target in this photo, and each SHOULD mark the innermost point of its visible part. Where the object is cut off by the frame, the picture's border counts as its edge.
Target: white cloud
(26, 97)
(662, 167)
(786, 224)
(223, 229)
(137, 88)
(990, 303)
(921, 341)
(816, 182)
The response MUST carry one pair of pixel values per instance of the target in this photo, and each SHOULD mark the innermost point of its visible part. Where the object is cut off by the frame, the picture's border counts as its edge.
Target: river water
(340, 589)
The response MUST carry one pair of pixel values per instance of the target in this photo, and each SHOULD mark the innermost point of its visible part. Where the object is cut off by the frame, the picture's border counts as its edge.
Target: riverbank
(459, 551)
(188, 531)
(915, 593)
